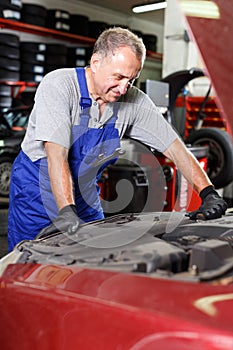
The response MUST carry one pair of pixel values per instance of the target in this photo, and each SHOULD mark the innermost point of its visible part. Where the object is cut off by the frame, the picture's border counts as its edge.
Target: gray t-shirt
(56, 111)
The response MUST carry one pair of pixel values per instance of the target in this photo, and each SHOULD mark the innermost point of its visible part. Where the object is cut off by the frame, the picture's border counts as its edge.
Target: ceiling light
(200, 8)
(150, 6)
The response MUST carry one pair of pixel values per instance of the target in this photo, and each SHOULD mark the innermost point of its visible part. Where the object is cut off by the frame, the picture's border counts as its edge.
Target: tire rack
(73, 38)
(20, 85)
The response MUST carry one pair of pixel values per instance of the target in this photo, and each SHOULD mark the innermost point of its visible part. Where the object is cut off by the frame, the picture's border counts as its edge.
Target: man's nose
(123, 86)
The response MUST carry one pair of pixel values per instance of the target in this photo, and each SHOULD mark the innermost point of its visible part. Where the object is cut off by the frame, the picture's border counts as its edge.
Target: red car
(132, 281)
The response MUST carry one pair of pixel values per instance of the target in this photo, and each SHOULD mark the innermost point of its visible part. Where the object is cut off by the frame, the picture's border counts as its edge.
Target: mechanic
(74, 132)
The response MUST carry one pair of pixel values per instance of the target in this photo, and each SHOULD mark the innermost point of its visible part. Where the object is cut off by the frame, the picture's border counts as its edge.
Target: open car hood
(167, 245)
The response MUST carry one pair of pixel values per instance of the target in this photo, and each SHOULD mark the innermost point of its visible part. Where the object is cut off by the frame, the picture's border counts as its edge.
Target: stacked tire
(9, 58)
(34, 14)
(56, 57)
(89, 51)
(58, 20)
(76, 57)
(96, 28)
(32, 55)
(79, 24)
(5, 96)
(11, 9)
(150, 41)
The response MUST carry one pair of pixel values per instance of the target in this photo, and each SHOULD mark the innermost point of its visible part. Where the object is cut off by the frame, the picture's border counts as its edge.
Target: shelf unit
(154, 56)
(19, 86)
(72, 38)
(192, 105)
(42, 31)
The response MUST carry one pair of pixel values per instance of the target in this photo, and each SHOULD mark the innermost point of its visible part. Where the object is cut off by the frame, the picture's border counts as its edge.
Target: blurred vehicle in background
(13, 123)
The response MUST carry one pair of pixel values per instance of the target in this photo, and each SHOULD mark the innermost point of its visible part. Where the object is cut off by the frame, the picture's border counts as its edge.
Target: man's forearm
(188, 165)
(62, 186)
(60, 175)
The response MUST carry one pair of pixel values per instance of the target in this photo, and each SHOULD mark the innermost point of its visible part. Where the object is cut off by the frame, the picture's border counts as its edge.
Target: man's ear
(94, 62)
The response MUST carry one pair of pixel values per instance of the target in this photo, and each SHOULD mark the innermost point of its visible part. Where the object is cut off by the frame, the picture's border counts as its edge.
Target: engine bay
(165, 245)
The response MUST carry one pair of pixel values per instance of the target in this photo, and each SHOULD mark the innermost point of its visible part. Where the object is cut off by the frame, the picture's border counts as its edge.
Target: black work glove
(212, 207)
(66, 221)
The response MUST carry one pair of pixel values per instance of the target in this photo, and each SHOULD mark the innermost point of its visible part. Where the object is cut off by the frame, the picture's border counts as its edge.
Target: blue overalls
(32, 205)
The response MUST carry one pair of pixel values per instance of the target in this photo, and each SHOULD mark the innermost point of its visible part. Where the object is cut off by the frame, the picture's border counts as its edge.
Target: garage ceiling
(125, 6)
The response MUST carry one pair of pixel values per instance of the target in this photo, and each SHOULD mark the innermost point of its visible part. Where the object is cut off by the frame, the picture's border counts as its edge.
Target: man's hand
(66, 221)
(212, 207)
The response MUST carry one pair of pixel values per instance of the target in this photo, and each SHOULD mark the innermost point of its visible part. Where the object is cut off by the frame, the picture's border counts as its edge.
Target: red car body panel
(59, 307)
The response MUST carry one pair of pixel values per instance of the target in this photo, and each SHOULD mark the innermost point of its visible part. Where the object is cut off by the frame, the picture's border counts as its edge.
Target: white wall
(175, 48)
(179, 54)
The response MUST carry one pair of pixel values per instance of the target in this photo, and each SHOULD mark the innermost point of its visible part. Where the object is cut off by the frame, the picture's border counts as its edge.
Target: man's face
(113, 76)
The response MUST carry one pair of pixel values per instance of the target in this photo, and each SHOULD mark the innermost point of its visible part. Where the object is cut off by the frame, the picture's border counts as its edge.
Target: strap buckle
(85, 102)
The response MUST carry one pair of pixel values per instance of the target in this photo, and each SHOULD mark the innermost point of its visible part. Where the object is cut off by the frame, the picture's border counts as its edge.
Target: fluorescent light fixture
(149, 7)
(200, 8)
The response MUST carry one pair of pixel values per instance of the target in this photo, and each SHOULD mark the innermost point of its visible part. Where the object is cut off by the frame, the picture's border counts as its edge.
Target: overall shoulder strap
(85, 101)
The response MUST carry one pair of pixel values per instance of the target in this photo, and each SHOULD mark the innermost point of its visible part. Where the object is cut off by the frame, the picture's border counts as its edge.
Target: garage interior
(174, 76)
